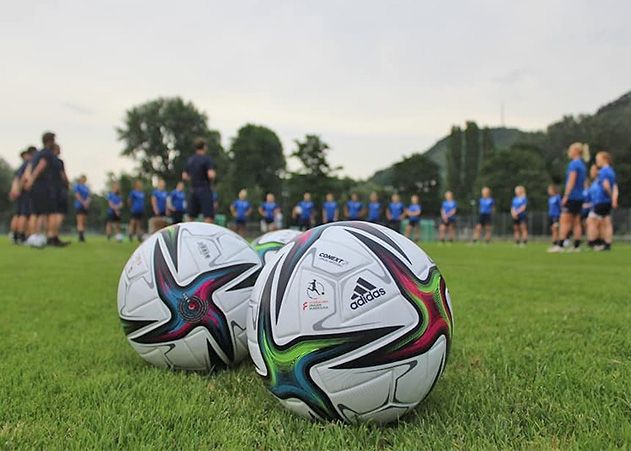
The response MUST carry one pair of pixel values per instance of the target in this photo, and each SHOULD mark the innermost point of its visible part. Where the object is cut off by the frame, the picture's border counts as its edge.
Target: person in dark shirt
(60, 185)
(136, 201)
(39, 182)
(200, 173)
(21, 198)
(81, 205)
(114, 207)
(176, 203)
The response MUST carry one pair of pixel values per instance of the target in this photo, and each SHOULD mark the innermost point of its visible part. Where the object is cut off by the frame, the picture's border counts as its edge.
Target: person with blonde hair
(605, 198)
(486, 205)
(572, 201)
(448, 211)
(520, 216)
(413, 213)
(241, 210)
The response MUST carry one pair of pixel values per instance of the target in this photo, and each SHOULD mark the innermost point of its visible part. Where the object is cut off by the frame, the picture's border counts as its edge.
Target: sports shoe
(555, 249)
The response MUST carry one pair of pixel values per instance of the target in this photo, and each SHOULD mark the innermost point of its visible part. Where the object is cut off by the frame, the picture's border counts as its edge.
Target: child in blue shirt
(520, 217)
(395, 213)
(81, 205)
(304, 212)
(329, 209)
(136, 202)
(176, 203)
(240, 210)
(486, 206)
(413, 212)
(269, 210)
(448, 217)
(114, 207)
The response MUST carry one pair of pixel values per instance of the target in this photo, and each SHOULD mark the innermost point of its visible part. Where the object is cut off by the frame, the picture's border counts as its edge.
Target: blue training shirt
(374, 211)
(306, 207)
(579, 168)
(178, 200)
(114, 199)
(606, 173)
(269, 208)
(519, 202)
(396, 210)
(241, 207)
(330, 207)
(137, 199)
(486, 205)
(161, 201)
(414, 208)
(448, 206)
(354, 208)
(83, 191)
(554, 206)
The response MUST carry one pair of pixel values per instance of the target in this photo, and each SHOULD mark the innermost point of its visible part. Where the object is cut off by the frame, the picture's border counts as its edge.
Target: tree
(159, 136)
(454, 161)
(418, 174)
(519, 165)
(487, 146)
(257, 160)
(471, 159)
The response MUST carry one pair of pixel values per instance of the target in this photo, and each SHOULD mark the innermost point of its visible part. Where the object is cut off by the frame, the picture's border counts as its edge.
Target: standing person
(520, 216)
(486, 206)
(158, 202)
(605, 200)
(22, 199)
(448, 211)
(554, 213)
(395, 212)
(39, 182)
(81, 205)
(374, 209)
(240, 210)
(353, 209)
(413, 212)
(176, 203)
(136, 202)
(114, 207)
(330, 212)
(61, 186)
(268, 211)
(304, 212)
(200, 173)
(572, 201)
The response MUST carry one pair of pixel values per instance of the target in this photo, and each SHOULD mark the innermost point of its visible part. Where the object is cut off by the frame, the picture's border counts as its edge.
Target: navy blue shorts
(23, 204)
(268, 220)
(200, 201)
(177, 217)
(43, 199)
(485, 219)
(241, 221)
(413, 224)
(520, 219)
(450, 221)
(552, 220)
(81, 210)
(573, 207)
(113, 217)
(304, 223)
(137, 216)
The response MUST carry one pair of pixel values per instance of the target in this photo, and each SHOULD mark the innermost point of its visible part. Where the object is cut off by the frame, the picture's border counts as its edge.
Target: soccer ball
(351, 322)
(183, 297)
(119, 237)
(37, 241)
(269, 244)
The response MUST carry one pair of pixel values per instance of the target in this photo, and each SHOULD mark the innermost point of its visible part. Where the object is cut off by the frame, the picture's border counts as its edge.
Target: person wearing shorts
(61, 186)
(21, 197)
(304, 212)
(486, 207)
(448, 218)
(176, 203)
(330, 212)
(241, 210)
(374, 209)
(554, 213)
(200, 173)
(520, 216)
(268, 211)
(395, 213)
(413, 213)
(114, 207)
(605, 199)
(572, 200)
(136, 202)
(81, 205)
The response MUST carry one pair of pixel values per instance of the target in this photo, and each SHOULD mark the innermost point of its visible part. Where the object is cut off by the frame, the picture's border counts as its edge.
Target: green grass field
(541, 358)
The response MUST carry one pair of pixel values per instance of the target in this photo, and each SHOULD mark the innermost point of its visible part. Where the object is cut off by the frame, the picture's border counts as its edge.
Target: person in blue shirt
(448, 211)
(395, 213)
(354, 208)
(604, 200)
(413, 213)
(269, 210)
(329, 209)
(554, 213)
(81, 205)
(241, 210)
(114, 207)
(486, 207)
(374, 209)
(520, 216)
(572, 200)
(200, 173)
(136, 202)
(176, 203)
(159, 199)
(304, 212)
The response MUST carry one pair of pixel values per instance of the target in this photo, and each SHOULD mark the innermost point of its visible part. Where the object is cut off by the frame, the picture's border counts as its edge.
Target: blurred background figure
(114, 209)
(413, 213)
(448, 211)
(330, 212)
(176, 203)
(486, 208)
(520, 216)
(241, 210)
(81, 205)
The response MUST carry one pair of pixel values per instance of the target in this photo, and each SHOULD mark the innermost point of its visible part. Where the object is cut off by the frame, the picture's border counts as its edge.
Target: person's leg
(578, 231)
(14, 228)
(565, 225)
(417, 233)
(452, 232)
(524, 232)
(607, 232)
(108, 229)
(131, 228)
(117, 227)
(487, 236)
(477, 232)
(81, 226)
(441, 232)
(139, 229)
(516, 233)
(408, 230)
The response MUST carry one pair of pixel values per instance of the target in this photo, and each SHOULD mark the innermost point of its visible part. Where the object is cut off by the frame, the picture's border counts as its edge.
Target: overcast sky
(376, 79)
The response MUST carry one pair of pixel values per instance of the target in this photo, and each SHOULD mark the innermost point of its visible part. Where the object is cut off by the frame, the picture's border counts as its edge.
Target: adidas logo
(365, 292)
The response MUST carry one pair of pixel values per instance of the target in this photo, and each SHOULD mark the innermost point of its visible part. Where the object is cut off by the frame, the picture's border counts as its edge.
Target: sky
(378, 80)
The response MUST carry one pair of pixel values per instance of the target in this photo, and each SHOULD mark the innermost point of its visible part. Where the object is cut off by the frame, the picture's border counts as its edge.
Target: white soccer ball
(268, 245)
(183, 297)
(352, 322)
(37, 241)
(119, 237)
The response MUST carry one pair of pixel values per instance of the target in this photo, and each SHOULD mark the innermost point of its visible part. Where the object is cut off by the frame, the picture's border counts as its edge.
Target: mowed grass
(540, 359)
